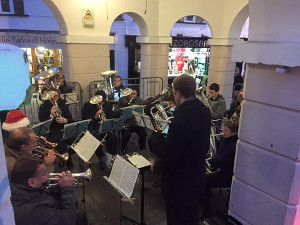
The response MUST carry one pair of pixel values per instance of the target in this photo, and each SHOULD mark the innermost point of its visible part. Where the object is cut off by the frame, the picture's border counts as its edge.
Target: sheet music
(87, 146)
(139, 161)
(123, 176)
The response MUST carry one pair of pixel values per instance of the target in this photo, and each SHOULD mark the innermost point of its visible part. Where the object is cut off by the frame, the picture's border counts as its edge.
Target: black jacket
(89, 110)
(56, 129)
(224, 159)
(183, 162)
(38, 206)
(65, 88)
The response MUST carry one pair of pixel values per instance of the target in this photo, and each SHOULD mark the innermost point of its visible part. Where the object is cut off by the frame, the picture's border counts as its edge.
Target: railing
(31, 109)
(148, 86)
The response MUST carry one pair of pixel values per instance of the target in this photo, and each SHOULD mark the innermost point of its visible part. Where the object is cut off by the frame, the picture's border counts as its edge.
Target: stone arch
(238, 23)
(59, 17)
(139, 21)
(173, 22)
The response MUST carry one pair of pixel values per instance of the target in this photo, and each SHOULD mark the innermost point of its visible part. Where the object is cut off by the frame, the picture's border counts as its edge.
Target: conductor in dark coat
(183, 163)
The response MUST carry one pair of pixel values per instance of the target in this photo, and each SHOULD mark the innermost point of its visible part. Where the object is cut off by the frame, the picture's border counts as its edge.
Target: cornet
(80, 179)
(40, 153)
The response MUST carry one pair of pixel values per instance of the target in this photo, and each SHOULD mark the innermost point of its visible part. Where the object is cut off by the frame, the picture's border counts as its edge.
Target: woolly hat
(15, 119)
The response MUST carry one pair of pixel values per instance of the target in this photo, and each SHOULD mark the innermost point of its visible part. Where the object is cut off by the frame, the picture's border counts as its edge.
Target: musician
(157, 143)
(93, 112)
(48, 110)
(220, 166)
(118, 87)
(235, 106)
(183, 162)
(216, 102)
(21, 142)
(14, 119)
(34, 204)
(132, 99)
(62, 85)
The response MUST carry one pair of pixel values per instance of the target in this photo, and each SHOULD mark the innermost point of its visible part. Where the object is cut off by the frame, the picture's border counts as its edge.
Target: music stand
(123, 178)
(143, 120)
(127, 111)
(75, 129)
(71, 98)
(85, 146)
(42, 128)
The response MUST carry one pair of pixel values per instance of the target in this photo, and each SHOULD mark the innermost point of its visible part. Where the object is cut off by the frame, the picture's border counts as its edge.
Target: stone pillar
(154, 63)
(266, 185)
(85, 59)
(221, 68)
(6, 210)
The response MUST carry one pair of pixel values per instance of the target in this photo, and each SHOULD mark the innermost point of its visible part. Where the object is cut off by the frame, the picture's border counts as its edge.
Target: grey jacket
(218, 106)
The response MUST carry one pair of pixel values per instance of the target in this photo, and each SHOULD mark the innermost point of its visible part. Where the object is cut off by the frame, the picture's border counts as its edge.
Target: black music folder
(42, 128)
(74, 129)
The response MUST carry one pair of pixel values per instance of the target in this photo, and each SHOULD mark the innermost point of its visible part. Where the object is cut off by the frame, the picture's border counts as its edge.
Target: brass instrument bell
(125, 92)
(96, 99)
(109, 73)
(48, 95)
(47, 74)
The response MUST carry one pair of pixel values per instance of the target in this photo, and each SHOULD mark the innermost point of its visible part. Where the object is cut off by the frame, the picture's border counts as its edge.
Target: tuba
(109, 77)
(80, 179)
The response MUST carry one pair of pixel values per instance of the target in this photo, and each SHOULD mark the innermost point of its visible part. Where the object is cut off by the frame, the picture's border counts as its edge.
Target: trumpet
(43, 142)
(40, 153)
(80, 179)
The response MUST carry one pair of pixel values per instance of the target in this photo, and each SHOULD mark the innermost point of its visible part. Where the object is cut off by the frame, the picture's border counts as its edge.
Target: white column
(266, 185)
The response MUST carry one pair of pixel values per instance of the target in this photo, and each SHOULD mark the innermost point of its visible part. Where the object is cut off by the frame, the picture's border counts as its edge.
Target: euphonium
(79, 178)
(40, 153)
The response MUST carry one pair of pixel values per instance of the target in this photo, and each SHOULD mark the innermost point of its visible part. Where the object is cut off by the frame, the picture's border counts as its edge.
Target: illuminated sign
(189, 42)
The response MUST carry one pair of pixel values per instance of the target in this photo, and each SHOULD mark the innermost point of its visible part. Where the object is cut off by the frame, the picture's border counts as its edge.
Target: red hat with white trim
(15, 119)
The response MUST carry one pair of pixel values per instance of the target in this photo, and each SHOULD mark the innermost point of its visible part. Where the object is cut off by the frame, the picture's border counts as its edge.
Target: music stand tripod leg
(84, 202)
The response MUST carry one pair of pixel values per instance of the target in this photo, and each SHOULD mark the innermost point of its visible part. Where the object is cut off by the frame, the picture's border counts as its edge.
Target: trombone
(40, 152)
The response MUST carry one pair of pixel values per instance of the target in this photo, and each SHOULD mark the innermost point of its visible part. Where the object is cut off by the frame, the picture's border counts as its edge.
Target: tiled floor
(103, 200)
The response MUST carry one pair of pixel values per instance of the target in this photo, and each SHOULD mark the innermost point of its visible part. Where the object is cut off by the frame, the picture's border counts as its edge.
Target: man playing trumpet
(34, 204)
(21, 142)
